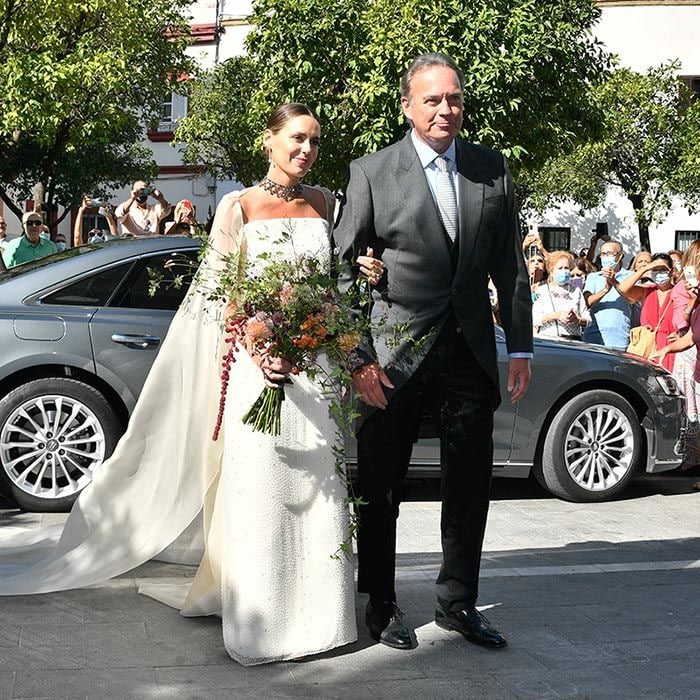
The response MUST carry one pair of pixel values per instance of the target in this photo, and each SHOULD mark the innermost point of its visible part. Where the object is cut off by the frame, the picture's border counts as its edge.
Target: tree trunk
(642, 221)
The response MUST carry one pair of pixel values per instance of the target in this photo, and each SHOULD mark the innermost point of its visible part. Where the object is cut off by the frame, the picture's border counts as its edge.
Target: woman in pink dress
(657, 309)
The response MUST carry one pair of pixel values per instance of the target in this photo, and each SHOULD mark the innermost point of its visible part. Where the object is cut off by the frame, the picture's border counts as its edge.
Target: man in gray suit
(440, 214)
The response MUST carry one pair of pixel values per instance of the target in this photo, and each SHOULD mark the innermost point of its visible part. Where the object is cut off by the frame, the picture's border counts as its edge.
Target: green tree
(648, 146)
(528, 66)
(78, 80)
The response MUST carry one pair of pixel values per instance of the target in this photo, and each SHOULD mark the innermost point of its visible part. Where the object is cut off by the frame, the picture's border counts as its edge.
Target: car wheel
(54, 434)
(591, 448)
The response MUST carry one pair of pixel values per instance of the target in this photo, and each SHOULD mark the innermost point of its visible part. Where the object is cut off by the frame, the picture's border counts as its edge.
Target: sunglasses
(33, 222)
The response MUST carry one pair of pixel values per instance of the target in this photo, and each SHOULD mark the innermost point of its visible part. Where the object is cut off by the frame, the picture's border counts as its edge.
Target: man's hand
(368, 381)
(609, 276)
(518, 377)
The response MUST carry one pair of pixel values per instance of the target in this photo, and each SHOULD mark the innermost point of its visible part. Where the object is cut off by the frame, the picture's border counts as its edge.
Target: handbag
(643, 338)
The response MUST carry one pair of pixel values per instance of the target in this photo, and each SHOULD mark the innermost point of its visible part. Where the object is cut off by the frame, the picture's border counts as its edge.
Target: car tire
(591, 448)
(54, 435)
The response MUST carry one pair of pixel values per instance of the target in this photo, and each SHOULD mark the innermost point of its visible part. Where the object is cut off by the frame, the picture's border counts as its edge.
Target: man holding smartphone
(139, 218)
(611, 310)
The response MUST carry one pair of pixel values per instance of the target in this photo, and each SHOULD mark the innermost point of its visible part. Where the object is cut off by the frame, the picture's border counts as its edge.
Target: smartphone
(690, 276)
(532, 250)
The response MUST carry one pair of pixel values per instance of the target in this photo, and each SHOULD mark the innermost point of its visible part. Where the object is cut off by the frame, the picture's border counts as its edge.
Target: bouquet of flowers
(289, 309)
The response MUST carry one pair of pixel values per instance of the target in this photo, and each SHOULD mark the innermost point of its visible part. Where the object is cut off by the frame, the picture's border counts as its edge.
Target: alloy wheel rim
(51, 445)
(599, 447)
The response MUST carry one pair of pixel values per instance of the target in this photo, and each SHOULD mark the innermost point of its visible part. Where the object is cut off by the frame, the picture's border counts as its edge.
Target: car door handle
(136, 342)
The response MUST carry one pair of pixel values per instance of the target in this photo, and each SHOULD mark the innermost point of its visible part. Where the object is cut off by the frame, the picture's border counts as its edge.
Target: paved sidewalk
(598, 601)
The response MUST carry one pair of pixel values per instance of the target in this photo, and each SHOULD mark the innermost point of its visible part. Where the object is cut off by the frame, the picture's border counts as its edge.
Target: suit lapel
(412, 179)
(471, 202)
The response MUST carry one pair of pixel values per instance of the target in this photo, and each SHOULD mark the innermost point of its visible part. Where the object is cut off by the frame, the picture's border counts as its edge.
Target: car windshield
(17, 270)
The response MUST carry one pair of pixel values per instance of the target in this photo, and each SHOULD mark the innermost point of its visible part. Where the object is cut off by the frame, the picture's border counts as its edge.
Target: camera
(146, 191)
(96, 202)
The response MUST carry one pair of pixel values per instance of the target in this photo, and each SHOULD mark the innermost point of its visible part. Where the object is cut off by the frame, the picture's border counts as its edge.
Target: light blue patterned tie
(446, 198)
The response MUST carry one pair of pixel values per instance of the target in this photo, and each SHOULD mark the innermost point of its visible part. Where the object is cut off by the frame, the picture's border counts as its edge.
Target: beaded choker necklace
(286, 192)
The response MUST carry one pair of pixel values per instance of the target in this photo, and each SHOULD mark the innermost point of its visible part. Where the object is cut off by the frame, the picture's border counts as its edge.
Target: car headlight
(668, 385)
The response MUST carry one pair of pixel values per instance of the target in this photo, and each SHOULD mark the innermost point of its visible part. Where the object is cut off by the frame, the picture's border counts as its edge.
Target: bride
(262, 515)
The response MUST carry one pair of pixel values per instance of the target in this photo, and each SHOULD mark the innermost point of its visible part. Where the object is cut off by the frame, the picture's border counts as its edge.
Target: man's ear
(406, 109)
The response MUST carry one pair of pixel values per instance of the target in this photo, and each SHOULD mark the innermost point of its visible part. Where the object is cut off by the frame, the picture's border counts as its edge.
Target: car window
(94, 290)
(22, 269)
(158, 282)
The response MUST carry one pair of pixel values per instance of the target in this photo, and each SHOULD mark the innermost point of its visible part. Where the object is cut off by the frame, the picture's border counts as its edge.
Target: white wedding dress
(261, 515)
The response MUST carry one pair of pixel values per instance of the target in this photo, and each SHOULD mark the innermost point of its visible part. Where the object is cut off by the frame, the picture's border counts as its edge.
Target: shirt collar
(427, 155)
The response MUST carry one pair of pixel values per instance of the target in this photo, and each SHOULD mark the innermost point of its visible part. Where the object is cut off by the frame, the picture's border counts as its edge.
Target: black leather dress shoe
(472, 625)
(385, 623)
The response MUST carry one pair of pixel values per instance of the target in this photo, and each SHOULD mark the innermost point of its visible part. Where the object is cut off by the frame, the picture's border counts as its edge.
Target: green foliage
(77, 80)
(648, 146)
(528, 67)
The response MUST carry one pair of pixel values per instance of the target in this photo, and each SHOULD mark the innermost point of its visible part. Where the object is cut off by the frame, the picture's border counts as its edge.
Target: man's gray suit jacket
(389, 207)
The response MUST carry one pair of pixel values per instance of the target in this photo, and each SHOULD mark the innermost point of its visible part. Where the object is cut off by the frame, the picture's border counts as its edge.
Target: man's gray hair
(428, 60)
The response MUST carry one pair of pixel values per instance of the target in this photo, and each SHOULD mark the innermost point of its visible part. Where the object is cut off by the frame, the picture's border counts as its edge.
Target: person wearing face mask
(581, 268)
(657, 309)
(559, 309)
(30, 245)
(610, 307)
(139, 218)
(677, 271)
(60, 242)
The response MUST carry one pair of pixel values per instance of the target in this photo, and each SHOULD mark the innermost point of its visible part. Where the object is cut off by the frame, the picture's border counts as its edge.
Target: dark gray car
(80, 330)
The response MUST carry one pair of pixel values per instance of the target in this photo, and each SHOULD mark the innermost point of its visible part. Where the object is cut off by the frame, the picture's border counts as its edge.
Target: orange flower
(349, 341)
(257, 330)
(305, 341)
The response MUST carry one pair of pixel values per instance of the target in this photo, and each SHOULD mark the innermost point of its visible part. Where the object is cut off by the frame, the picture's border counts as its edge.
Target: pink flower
(286, 293)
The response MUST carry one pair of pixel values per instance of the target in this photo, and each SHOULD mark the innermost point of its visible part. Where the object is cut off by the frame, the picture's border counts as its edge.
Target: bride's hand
(275, 369)
(370, 267)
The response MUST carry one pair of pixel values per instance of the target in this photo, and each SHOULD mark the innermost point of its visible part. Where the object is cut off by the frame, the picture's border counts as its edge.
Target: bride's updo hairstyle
(284, 113)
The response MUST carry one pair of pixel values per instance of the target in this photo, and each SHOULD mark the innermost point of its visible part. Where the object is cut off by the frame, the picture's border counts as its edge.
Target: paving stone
(575, 684)
(670, 679)
(41, 657)
(77, 635)
(174, 680)
(121, 652)
(99, 683)
(10, 635)
(372, 663)
(7, 683)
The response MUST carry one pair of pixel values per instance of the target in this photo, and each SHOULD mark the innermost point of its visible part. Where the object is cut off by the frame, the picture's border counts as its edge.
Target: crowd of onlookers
(649, 308)
(146, 212)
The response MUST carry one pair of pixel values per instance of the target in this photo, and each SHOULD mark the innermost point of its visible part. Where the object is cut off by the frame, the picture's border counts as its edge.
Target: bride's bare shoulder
(253, 204)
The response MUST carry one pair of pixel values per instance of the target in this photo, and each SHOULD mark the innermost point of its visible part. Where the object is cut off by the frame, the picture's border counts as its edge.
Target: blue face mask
(608, 261)
(562, 276)
(660, 278)
(61, 246)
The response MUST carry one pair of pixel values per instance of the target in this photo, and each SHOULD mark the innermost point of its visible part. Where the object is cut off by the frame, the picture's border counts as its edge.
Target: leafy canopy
(77, 80)
(528, 67)
(648, 145)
